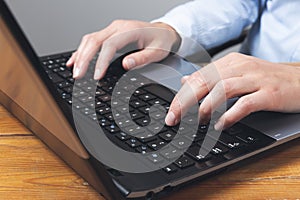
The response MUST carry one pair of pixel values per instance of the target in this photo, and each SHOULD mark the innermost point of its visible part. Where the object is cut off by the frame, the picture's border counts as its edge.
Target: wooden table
(29, 170)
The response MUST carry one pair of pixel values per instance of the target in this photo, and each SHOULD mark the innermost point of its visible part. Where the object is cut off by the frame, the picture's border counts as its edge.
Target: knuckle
(247, 104)
(226, 85)
(197, 82)
(108, 44)
(229, 120)
(274, 97)
(86, 37)
(204, 111)
(175, 106)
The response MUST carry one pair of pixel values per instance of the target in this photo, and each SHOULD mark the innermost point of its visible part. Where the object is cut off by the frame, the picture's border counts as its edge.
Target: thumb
(143, 57)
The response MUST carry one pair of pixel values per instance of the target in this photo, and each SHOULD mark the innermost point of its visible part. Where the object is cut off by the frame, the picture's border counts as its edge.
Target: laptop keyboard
(233, 143)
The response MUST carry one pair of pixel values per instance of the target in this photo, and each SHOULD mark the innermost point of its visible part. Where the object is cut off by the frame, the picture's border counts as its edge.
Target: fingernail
(170, 119)
(218, 126)
(76, 72)
(130, 63)
(97, 74)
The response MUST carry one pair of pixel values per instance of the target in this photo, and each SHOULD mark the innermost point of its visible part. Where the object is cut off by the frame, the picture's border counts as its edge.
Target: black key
(203, 129)
(230, 142)
(105, 98)
(93, 116)
(138, 92)
(64, 84)
(65, 95)
(136, 115)
(181, 143)
(137, 103)
(143, 149)
(157, 144)
(104, 122)
(102, 83)
(171, 153)
(160, 91)
(71, 80)
(103, 110)
(219, 149)
(147, 97)
(196, 137)
(147, 139)
(122, 136)
(195, 154)
(110, 117)
(155, 158)
(108, 88)
(113, 129)
(235, 129)
(79, 93)
(134, 131)
(184, 162)
(78, 105)
(124, 122)
(55, 78)
(85, 99)
(145, 109)
(99, 92)
(52, 66)
(143, 121)
(68, 89)
(157, 101)
(87, 111)
(158, 116)
(167, 135)
(65, 74)
(248, 138)
(133, 143)
(87, 88)
(170, 169)
(70, 101)
(100, 104)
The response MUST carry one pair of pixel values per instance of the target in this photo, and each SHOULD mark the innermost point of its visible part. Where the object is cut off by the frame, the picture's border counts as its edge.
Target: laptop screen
(54, 26)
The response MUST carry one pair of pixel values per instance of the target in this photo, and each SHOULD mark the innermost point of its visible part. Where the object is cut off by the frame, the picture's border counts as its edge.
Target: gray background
(54, 26)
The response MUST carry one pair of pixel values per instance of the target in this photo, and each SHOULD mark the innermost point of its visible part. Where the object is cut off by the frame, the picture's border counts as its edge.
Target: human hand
(261, 85)
(154, 39)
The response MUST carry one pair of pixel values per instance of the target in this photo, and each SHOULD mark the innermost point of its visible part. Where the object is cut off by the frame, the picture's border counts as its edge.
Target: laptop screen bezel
(33, 58)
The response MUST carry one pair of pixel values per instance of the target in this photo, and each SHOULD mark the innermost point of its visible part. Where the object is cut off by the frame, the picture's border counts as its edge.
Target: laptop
(90, 127)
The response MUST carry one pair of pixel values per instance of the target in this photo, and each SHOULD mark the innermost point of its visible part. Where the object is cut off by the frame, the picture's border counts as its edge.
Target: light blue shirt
(274, 36)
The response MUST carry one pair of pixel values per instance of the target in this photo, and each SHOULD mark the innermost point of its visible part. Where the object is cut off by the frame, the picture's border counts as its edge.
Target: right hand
(154, 39)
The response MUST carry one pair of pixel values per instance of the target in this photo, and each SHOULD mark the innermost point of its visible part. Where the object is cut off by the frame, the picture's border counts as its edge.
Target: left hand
(261, 85)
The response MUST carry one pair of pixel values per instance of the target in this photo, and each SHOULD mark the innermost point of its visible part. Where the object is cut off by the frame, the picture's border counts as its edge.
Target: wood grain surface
(29, 170)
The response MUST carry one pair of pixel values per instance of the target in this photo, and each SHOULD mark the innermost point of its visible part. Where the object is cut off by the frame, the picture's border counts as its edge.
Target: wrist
(175, 37)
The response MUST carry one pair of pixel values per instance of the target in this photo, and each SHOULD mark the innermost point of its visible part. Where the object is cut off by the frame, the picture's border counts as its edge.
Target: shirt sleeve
(207, 24)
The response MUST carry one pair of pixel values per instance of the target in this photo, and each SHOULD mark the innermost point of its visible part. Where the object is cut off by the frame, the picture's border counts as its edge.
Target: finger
(188, 95)
(71, 60)
(109, 48)
(85, 56)
(146, 56)
(184, 79)
(87, 49)
(244, 106)
(223, 90)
